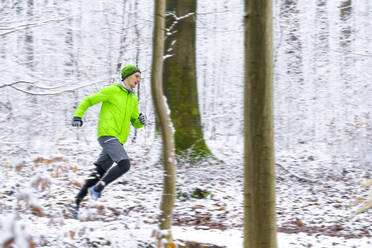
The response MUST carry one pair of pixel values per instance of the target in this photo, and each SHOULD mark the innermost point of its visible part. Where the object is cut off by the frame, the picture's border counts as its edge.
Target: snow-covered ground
(313, 201)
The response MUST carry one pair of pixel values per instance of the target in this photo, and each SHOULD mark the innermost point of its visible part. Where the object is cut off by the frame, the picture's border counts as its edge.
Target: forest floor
(313, 202)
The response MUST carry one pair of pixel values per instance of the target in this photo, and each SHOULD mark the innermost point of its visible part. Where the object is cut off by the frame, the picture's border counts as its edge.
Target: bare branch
(14, 83)
(177, 19)
(46, 93)
(295, 175)
(27, 25)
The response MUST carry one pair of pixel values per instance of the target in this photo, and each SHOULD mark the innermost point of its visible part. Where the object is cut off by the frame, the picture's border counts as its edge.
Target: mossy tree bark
(180, 79)
(169, 178)
(259, 178)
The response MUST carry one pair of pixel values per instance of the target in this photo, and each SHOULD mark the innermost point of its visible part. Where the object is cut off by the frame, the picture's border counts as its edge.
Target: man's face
(133, 80)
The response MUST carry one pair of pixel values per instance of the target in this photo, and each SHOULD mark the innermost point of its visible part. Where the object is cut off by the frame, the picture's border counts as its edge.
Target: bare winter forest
(55, 52)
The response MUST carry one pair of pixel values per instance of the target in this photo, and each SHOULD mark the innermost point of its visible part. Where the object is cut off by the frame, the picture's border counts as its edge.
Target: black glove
(76, 122)
(142, 118)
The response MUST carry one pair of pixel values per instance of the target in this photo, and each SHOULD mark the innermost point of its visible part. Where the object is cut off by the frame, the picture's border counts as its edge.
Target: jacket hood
(128, 90)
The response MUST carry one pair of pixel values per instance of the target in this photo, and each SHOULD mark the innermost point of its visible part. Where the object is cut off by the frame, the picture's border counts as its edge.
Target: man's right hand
(76, 121)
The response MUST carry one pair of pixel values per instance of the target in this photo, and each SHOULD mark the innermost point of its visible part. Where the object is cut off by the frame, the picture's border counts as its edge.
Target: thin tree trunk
(345, 60)
(30, 63)
(69, 43)
(293, 62)
(346, 39)
(29, 37)
(106, 17)
(321, 69)
(138, 37)
(169, 180)
(123, 36)
(259, 178)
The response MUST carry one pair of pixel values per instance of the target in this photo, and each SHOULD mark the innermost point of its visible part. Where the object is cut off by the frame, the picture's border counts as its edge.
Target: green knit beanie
(128, 70)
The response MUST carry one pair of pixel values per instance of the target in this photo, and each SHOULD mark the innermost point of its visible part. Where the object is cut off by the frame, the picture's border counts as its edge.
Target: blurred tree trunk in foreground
(169, 180)
(180, 79)
(259, 177)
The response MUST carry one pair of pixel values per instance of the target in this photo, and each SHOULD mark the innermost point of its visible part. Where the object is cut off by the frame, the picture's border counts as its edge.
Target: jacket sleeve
(100, 96)
(134, 118)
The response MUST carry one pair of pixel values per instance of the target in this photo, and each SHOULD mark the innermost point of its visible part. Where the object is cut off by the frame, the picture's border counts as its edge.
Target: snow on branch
(213, 12)
(367, 202)
(176, 19)
(167, 56)
(14, 233)
(15, 83)
(28, 25)
(45, 91)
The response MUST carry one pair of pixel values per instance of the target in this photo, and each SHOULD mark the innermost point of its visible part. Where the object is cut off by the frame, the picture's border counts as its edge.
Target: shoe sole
(92, 195)
(73, 211)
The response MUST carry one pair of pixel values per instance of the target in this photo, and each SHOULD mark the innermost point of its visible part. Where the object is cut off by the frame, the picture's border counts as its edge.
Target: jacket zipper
(125, 113)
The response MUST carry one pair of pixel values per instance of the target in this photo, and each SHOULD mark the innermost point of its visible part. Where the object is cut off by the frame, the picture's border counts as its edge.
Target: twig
(14, 83)
(26, 25)
(295, 175)
(67, 243)
(71, 89)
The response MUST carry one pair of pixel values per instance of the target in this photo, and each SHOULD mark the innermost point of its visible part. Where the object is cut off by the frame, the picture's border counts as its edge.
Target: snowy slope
(310, 214)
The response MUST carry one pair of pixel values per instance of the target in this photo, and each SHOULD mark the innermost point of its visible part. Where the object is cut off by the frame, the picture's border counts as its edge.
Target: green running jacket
(119, 109)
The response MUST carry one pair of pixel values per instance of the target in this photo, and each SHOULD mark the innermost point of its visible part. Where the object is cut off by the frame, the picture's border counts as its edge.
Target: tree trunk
(123, 37)
(346, 40)
(138, 38)
(169, 180)
(259, 178)
(321, 69)
(345, 16)
(69, 42)
(180, 80)
(29, 37)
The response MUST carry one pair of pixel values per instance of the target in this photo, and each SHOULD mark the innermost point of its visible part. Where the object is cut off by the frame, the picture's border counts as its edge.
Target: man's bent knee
(124, 165)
